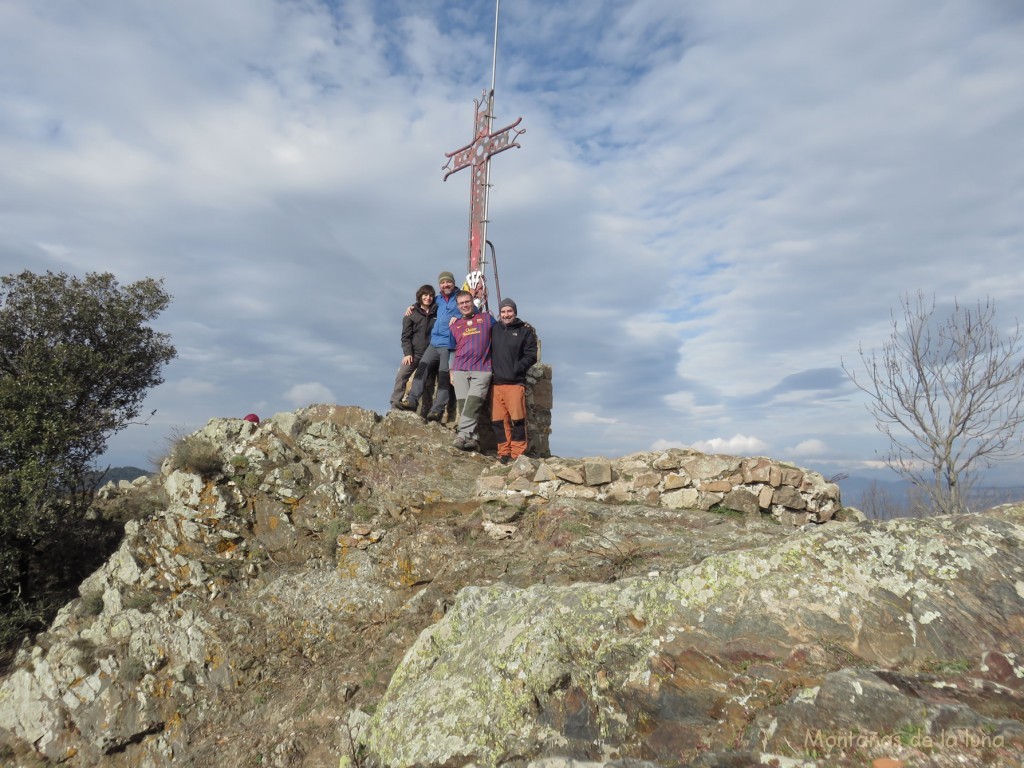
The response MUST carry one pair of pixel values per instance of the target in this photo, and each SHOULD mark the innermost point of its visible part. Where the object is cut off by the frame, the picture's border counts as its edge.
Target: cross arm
(483, 147)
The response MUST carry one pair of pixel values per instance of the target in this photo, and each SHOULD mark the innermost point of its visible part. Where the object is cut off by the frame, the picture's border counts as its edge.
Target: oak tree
(77, 357)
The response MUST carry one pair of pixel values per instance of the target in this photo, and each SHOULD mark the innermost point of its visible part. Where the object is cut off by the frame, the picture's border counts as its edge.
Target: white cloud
(687, 403)
(737, 445)
(651, 328)
(664, 445)
(189, 387)
(307, 394)
(56, 250)
(588, 417)
(873, 464)
(808, 449)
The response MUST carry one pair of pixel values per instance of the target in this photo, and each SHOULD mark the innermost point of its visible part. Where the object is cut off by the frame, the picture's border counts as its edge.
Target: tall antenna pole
(486, 143)
(494, 58)
(490, 124)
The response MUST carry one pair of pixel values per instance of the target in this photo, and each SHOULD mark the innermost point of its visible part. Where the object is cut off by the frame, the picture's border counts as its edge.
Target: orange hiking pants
(508, 417)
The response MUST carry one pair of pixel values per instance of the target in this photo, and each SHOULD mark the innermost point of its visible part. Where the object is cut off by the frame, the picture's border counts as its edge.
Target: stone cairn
(539, 402)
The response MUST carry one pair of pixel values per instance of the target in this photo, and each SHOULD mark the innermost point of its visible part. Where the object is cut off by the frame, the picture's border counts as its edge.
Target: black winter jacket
(513, 351)
(416, 329)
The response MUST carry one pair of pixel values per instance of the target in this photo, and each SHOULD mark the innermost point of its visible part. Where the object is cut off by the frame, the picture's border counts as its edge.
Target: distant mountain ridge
(116, 474)
(876, 497)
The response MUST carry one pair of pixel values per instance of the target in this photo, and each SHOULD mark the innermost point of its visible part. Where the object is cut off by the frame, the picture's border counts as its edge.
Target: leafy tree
(948, 392)
(77, 357)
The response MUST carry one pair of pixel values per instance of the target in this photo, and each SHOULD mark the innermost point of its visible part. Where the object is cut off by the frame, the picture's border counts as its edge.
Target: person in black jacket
(416, 327)
(513, 353)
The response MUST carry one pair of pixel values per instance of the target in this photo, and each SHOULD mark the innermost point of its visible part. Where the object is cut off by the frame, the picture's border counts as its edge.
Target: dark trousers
(436, 358)
(401, 379)
(426, 399)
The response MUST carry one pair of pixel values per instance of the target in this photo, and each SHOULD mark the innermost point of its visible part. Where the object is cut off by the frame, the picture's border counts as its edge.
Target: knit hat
(445, 276)
(251, 417)
(508, 303)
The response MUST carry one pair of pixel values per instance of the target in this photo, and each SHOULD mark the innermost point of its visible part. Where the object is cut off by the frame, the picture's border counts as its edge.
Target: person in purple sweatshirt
(470, 367)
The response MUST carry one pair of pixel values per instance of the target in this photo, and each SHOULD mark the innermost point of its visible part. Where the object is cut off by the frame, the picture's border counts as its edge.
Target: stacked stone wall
(676, 479)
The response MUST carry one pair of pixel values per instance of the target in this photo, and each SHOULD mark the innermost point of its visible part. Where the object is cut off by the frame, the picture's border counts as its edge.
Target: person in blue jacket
(438, 353)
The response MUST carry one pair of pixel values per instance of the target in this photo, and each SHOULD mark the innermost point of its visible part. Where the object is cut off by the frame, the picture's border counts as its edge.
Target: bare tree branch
(948, 392)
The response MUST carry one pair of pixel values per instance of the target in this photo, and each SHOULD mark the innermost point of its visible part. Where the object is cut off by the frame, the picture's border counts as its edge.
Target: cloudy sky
(715, 202)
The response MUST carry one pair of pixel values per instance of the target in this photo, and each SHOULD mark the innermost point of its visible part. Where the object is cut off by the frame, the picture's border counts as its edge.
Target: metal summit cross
(478, 153)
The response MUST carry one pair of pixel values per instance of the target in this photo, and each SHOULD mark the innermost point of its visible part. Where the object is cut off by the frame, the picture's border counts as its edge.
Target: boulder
(517, 671)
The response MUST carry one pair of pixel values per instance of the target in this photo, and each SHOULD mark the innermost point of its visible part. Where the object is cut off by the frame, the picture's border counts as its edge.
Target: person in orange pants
(513, 353)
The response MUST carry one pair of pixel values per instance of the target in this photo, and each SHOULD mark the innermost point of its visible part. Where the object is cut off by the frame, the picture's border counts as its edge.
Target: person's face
(447, 286)
(506, 315)
(426, 299)
(466, 306)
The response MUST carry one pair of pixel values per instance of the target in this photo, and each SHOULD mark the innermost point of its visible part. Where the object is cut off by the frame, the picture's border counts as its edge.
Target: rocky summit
(337, 588)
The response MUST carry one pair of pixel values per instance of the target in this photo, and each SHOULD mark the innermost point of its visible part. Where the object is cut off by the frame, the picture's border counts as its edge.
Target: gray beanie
(508, 303)
(445, 276)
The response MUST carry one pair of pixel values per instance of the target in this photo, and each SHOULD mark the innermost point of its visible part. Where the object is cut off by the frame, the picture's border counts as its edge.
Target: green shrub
(718, 509)
(140, 601)
(363, 511)
(92, 603)
(86, 654)
(331, 533)
(132, 669)
(197, 454)
(957, 666)
(135, 505)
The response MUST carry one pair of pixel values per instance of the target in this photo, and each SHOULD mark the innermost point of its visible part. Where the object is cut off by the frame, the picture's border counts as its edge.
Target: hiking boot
(466, 443)
(504, 460)
(405, 405)
(434, 416)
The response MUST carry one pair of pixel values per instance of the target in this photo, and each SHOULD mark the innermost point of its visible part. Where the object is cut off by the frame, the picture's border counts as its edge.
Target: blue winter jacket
(441, 336)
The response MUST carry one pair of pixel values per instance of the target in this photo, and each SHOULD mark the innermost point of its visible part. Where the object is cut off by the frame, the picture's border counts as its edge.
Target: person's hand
(407, 360)
(452, 320)
(408, 311)
(480, 296)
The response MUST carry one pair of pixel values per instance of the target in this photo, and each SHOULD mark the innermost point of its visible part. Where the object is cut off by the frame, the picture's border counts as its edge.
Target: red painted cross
(478, 154)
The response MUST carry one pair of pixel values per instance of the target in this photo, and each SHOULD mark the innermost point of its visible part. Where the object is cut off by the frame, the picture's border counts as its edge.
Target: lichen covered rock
(648, 666)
